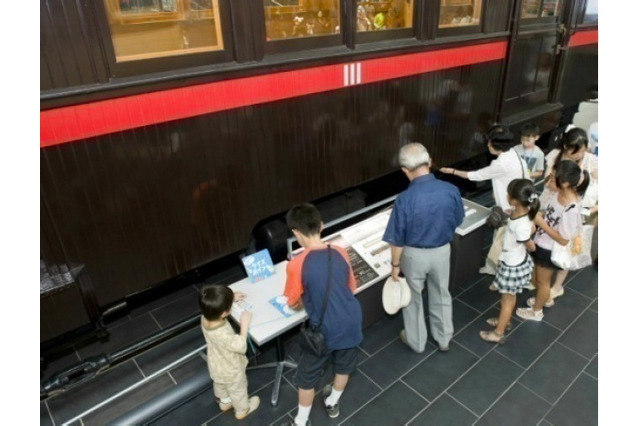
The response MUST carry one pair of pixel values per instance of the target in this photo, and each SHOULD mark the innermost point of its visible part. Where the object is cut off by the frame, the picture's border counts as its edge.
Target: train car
(174, 133)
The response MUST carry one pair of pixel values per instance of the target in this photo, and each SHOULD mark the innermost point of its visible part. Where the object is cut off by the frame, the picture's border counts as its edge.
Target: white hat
(395, 295)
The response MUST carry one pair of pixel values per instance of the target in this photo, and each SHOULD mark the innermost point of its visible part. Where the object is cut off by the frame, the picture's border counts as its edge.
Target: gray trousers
(430, 266)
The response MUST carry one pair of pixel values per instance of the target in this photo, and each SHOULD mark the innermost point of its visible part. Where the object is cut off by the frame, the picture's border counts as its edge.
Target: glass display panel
(591, 12)
(376, 15)
(145, 29)
(286, 19)
(539, 8)
(458, 13)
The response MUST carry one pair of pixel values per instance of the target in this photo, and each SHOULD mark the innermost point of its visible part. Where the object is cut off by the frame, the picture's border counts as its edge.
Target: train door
(538, 34)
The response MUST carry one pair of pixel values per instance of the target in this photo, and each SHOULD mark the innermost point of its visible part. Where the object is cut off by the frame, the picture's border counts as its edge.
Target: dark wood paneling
(141, 206)
(580, 74)
(497, 15)
(69, 49)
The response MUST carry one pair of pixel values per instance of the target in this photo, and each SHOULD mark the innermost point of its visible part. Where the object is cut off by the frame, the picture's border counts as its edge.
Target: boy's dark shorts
(311, 368)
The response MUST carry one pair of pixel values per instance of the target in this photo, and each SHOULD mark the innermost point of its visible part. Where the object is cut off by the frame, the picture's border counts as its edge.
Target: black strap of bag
(520, 162)
(326, 294)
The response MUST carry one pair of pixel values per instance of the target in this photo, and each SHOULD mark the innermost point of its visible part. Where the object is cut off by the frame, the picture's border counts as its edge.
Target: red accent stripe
(77, 122)
(584, 37)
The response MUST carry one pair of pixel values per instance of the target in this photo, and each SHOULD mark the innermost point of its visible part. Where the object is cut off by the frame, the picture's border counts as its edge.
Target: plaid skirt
(512, 279)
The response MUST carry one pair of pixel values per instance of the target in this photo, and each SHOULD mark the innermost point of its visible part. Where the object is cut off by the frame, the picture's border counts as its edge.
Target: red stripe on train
(584, 37)
(66, 124)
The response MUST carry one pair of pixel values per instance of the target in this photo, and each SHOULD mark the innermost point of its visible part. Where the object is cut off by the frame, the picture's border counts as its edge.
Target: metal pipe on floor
(90, 367)
(137, 384)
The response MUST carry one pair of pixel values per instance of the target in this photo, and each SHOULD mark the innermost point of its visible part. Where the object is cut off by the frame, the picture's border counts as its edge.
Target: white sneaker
(487, 270)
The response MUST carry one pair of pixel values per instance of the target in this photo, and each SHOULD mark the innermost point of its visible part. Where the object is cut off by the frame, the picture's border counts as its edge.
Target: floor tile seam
(380, 392)
(464, 406)
(536, 393)
(480, 278)
(590, 375)
(138, 367)
(415, 391)
(155, 320)
(575, 352)
(370, 379)
(481, 314)
(175, 382)
(468, 306)
(529, 367)
(365, 352)
(46, 404)
(262, 387)
(446, 390)
(564, 393)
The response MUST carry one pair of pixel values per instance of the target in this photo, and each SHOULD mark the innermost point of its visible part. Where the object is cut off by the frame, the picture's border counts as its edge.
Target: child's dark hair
(215, 300)
(569, 171)
(572, 141)
(523, 191)
(500, 137)
(530, 129)
(304, 218)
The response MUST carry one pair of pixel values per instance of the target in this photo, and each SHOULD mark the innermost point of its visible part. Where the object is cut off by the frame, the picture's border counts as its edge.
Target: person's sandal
(493, 322)
(493, 337)
(493, 287)
(554, 294)
(529, 314)
(532, 301)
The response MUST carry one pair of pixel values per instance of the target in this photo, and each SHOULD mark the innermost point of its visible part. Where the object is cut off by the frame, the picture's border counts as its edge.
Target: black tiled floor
(396, 405)
(582, 336)
(438, 371)
(579, 405)
(550, 376)
(485, 382)
(546, 373)
(512, 405)
(445, 411)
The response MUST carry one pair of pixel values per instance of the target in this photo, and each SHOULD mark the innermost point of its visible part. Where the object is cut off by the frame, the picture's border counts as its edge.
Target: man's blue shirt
(425, 215)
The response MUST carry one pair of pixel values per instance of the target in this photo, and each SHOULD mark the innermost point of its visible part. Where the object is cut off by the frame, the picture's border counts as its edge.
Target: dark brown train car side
(152, 199)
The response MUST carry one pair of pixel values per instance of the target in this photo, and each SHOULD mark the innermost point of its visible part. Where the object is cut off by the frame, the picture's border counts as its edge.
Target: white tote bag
(577, 253)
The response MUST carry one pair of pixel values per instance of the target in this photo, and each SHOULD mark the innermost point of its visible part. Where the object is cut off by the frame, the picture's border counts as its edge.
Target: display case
(459, 13)
(145, 29)
(287, 19)
(532, 9)
(383, 15)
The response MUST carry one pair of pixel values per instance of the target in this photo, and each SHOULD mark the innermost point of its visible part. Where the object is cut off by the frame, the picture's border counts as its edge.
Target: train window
(379, 15)
(539, 8)
(145, 29)
(291, 19)
(459, 13)
(591, 12)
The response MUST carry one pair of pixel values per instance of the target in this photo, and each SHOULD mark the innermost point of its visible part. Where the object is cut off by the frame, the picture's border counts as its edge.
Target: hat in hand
(395, 295)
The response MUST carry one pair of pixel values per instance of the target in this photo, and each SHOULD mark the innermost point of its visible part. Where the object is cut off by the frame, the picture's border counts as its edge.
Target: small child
(529, 152)
(515, 265)
(226, 350)
(561, 222)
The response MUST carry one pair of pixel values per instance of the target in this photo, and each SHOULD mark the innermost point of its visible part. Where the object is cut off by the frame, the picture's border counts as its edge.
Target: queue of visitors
(419, 231)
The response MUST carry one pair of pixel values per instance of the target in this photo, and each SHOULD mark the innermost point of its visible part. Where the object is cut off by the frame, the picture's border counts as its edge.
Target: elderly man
(420, 229)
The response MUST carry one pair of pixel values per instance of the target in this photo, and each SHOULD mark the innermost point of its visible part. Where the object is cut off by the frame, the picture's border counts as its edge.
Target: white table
(364, 242)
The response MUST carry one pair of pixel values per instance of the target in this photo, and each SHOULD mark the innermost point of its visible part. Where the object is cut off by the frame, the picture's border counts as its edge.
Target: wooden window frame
(160, 64)
(461, 30)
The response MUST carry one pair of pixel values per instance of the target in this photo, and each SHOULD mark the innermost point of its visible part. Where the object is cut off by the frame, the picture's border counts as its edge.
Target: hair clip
(533, 197)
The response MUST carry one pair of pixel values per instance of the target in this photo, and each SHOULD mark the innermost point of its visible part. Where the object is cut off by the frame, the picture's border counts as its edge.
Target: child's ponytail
(581, 189)
(534, 205)
(525, 193)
